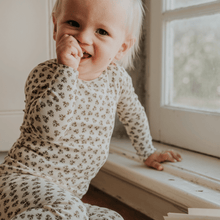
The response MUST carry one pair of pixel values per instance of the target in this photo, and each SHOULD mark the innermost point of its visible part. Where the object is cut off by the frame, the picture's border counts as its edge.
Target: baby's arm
(50, 95)
(132, 115)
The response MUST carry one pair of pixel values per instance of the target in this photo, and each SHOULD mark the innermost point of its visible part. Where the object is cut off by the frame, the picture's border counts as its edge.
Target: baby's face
(100, 28)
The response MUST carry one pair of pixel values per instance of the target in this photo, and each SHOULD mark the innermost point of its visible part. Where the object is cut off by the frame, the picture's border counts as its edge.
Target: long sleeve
(132, 114)
(50, 99)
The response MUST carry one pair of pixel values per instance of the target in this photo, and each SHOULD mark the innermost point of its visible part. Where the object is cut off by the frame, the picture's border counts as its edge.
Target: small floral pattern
(64, 142)
(33, 198)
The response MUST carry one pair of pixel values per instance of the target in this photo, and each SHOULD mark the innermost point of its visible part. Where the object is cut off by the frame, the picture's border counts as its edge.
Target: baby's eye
(102, 32)
(73, 23)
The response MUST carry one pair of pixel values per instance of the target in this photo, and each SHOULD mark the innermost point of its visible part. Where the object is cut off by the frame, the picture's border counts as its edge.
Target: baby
(70, 110)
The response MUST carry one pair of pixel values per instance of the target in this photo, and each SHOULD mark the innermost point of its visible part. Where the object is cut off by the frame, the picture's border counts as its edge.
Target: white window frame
(190, 129)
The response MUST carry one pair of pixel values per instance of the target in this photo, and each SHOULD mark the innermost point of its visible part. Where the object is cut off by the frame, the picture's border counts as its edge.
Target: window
(184, 86)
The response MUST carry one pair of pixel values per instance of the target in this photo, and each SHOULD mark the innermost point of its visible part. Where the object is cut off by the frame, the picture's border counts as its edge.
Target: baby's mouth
(86, 55)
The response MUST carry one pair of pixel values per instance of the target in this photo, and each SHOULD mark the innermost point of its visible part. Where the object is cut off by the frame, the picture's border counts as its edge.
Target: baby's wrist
(64, 66)
(68, 63)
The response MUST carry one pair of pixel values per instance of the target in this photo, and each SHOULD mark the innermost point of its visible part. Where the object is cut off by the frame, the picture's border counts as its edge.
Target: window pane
(173, 4)
(194, 59)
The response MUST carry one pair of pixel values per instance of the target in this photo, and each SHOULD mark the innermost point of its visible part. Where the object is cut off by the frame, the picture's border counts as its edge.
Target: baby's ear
(128, 43)
(54, 27)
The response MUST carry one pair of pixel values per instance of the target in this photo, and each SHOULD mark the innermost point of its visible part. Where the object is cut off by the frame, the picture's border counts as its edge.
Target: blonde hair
(134, 25)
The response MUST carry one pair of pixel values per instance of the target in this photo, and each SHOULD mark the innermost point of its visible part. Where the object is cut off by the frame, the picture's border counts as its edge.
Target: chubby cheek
(104, 55)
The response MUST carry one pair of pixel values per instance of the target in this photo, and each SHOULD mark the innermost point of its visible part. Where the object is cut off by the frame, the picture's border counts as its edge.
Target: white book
(195, 214)
(207, 212)
(186, 217)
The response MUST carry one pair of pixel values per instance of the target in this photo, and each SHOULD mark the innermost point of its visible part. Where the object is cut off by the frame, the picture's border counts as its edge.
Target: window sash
(187, 128)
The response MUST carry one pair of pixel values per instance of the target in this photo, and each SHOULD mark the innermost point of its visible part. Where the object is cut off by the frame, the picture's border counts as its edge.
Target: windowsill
(194, 182)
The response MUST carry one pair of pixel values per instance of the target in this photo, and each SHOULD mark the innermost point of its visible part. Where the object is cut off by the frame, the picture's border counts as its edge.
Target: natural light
(194, 60)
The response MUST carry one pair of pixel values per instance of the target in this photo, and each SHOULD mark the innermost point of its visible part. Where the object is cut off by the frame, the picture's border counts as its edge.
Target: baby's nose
(84, 37)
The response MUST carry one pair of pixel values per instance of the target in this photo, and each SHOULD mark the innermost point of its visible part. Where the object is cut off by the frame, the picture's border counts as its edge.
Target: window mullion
(193, 11)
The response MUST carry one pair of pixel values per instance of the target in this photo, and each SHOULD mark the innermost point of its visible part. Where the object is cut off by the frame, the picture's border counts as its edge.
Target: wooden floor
(99, 198)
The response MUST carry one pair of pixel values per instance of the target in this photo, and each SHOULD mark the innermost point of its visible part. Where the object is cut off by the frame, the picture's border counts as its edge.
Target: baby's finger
(76, 45)
(156, 165)
(62, 39)
(166, 156)
(175, 155)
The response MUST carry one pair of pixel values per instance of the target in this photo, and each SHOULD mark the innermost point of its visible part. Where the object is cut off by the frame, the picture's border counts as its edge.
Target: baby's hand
(157, 157)
(68, 51)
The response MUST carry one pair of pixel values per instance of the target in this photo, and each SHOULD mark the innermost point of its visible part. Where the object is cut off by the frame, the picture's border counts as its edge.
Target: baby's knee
(100, 213)
(27, 196)
(68, 208)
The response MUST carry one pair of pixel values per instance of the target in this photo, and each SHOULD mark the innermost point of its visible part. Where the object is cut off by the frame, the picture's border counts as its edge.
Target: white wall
(25, 41)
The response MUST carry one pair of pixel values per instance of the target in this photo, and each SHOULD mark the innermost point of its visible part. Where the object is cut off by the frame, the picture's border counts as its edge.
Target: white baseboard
(135, 197)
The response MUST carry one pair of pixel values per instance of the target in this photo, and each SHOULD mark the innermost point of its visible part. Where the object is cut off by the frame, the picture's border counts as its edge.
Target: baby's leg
(100, 213)
(29, 197)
